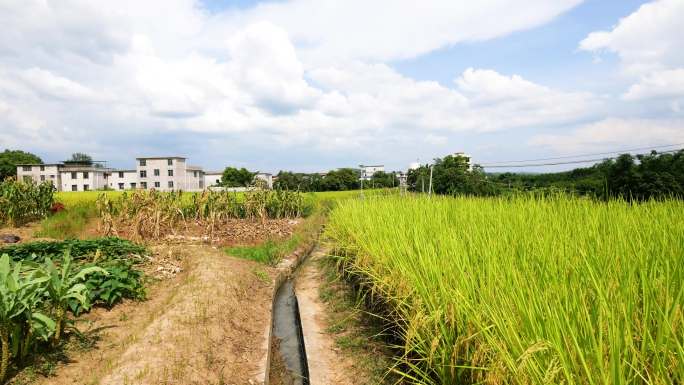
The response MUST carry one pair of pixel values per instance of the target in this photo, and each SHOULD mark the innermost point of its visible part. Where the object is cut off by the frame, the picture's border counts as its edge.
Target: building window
(133, 186)
(86, 187)
(121, 186)
(169, 162)
(42, 178)
(156, 172)
(143, 174)
(194, 173)
(157, 184)
(73, 175)
(170, 184)
(42, 168)
(74, 187)
(170, 172)
(143, 185)
(52, 177)
(85, 174)
(143, 162)
(26, 168)
(120, 174)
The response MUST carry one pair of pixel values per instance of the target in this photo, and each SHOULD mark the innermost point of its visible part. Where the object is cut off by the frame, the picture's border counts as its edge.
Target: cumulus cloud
(295, 74)
(382, 30)
(658, 84)
(609, 134)
(648, 39)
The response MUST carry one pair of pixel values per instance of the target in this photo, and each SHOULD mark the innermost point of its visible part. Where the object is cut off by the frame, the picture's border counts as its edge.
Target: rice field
(522, 290)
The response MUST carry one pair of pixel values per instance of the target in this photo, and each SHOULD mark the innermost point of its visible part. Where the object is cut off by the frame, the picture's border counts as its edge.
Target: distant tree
(382, 179)
(340, 180)
(9, 159)
(234, 177)
(452, 175)
(80, 158)
(287, 180)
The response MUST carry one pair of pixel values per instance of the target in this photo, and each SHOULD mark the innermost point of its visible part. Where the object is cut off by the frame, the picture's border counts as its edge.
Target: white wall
(129, 179)
(178, 179)
(40, 173)
(94, 180)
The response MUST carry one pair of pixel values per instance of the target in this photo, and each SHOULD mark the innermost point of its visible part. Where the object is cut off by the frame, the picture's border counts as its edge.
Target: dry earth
(203, 326)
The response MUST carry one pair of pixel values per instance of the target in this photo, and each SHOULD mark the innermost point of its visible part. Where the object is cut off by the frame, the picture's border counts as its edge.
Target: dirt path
(205, 326)
(327, 364)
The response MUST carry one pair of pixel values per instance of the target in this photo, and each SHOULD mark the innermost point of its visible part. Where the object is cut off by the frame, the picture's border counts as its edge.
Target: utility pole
(430, 193)
(362, 176)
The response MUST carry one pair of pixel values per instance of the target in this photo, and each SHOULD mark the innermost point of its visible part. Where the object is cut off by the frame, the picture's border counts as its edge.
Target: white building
(212, 178)
(368, 171)
(122, 180)
(160, 173)
(266, 177)
(82, 178)
(40, 173)
(168, 174)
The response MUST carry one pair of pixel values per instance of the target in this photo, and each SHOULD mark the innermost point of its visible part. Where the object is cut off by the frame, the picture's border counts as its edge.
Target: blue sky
(317, 84)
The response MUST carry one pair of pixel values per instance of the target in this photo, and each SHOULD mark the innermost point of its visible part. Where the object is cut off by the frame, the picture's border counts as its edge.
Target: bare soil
(203, 324)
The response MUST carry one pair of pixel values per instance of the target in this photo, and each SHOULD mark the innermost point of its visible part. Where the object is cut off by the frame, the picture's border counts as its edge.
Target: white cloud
(612, 133)
(329, 30)
(296, 73)
(648, 39)
(658, 84)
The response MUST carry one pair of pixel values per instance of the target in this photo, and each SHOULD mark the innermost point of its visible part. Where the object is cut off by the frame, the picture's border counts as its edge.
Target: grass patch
(269, 252)
(69, 223)
(356, 333)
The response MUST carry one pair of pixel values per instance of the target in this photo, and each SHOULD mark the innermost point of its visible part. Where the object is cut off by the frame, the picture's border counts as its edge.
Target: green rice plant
(522, 290)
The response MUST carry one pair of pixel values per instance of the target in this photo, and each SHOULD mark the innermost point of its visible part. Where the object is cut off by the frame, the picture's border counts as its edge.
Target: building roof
(372, 165)
(134, 171)
(213, 173)
(161, 157)
(39, 164)
(85, 168)
(193, 168)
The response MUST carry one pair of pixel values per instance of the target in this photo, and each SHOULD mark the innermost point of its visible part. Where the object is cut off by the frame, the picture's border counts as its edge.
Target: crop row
(522, 290)
(39, 290)
(21, 202)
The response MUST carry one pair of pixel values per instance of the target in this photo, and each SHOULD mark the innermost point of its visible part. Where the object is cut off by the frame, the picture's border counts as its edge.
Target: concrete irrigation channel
(299, 352)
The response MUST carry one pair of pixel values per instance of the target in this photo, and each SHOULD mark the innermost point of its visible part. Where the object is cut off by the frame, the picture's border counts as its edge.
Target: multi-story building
(123, 180)
(368, 171)
(82, 178)
(40, 173)
(160, 173)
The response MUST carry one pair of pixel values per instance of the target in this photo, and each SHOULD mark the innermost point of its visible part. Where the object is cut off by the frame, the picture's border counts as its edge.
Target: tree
(9, 159)
(80, 158)
(340, 180)
(233, 177)
(382, 179)
(452, 175)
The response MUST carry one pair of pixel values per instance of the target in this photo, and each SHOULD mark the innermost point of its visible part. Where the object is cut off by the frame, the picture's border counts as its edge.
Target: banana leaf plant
(64, 285)
(16, 291)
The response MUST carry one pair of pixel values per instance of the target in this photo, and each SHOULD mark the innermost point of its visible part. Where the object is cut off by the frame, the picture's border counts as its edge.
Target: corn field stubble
(523, 290)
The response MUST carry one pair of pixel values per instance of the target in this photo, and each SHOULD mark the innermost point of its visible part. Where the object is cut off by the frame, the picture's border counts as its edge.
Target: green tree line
(631, 177)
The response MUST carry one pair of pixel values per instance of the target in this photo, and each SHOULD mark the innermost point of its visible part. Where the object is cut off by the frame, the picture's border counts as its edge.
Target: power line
(568, 162)
(494, 164)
